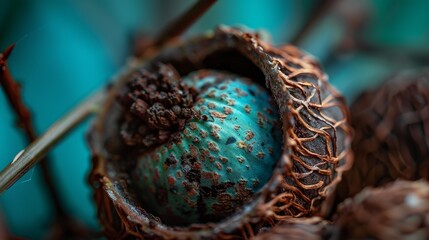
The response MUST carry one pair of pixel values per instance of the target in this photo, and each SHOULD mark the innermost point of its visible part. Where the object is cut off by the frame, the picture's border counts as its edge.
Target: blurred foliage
(67, 49)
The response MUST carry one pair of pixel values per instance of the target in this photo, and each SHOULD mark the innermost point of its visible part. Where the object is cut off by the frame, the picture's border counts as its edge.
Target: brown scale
(249, 135)
(227, 110)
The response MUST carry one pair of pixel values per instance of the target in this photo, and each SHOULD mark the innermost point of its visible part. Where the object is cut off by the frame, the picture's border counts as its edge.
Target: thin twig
(319, 10)
(39, 148)
(180, 25)
(13, 93)
(12, 90)
(26, 159)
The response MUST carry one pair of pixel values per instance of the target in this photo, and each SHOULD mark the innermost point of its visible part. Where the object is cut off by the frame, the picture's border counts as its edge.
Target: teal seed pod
(217, 137)
(220, 159)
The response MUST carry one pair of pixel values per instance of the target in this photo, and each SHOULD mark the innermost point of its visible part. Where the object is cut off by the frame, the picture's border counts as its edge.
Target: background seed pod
(313, 228)
(391, 130)
(316, 138)
(399, 210)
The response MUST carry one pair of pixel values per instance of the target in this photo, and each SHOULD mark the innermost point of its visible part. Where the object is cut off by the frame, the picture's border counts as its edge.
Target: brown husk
(391, 126)
(314, 125)
(398, 211)
(314, 228)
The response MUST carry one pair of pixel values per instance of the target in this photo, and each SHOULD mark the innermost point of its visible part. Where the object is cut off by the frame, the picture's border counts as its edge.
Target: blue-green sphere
(220, 159)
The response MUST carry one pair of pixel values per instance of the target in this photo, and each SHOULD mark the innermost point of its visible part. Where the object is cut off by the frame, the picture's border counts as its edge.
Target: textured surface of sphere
(391, 126)
(220, 159)
(397, 211)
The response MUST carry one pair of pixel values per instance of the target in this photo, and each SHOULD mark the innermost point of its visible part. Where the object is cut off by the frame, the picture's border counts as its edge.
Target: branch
(63, 223)
(318, 12)
(39, 148)
(178, 26)
(13, 94)
(26, 159)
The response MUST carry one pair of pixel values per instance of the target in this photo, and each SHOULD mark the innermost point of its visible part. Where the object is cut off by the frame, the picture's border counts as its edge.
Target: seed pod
(399, 210)
(314, 228)
(391, 130)
(219, 159)
(313, 151)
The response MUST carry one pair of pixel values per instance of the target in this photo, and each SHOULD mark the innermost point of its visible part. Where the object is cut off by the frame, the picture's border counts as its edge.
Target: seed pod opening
(304, 153)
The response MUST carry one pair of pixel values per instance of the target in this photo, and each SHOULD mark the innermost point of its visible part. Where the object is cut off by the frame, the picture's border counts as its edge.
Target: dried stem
(12, 91)
(39, 148)
(179, 25)
(27, 158)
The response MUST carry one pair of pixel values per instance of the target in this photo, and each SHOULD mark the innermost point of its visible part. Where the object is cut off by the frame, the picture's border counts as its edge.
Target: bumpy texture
(314, 154)
(157, 104)
(397, 211)
(391, 126)
(219, 160)
(314, 228)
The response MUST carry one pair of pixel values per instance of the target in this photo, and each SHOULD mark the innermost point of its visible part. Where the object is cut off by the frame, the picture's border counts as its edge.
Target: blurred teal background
(67, 49)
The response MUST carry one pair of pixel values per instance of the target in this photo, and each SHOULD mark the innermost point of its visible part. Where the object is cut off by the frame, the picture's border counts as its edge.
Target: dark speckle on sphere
(203, 179)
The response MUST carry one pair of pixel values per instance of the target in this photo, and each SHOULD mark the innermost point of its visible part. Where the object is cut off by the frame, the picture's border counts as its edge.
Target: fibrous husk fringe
(314, 124)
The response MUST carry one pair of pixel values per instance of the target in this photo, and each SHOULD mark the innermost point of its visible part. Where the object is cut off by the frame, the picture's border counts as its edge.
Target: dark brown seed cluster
(157, 105)
(391, 134)
(397, 211)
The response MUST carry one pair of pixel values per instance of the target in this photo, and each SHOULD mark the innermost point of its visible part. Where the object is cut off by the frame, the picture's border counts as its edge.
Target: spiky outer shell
(316, 139)
(221, 158)
(399, 210)
(391, 125)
